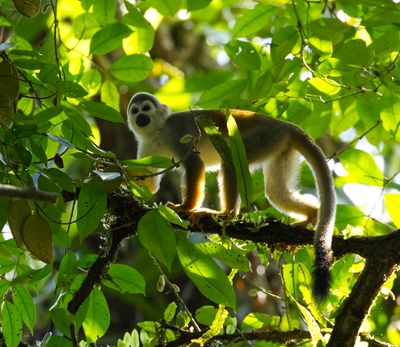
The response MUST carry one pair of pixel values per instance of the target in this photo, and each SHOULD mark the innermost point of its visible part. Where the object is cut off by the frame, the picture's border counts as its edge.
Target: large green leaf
(208, 277)
(132, 68)
(233, 258)
(97, 318)
(157, 236)
(125, 279)
(253, 20)
(11, 324)
(109, 38)
(361, 167)
(102, 111)
(25, 305)
(92, 203)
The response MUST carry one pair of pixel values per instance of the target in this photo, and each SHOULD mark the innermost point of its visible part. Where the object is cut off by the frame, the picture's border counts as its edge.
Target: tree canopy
(88, 256)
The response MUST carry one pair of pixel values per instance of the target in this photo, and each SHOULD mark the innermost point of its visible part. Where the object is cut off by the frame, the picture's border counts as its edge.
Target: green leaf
(253, 20)
(153, 161)
(157, 236)
(26, 307)
(167, 8)
(125, 279)
(325, 85)
(361, 167)
(240, 162)
(257, 320)
(97, 319)
(233, 258)
(170, 311)
(109, 94)
(109, 38)
(315, 331)
(91, 81)
(193, 5)
(132, 68)
(11, 324)
(58, 341)
(92, 202)
(244, 54)
(222, 93)
(392, 203)
(323, 47)
(67, 270)
(104, 11)
(356, 53)
(85, 26)
(208, 277)
(172, 217)
(71, 89)
(63, 180)
(102, 111)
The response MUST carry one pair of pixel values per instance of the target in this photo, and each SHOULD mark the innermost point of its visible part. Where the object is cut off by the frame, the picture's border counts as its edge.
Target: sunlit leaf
(361, 167)
(322, 47)
(97, 318)
(324, 85)
(233, 258)
(208, 277)
(392, 203)
(258, 320)
(109, 94)
(170, 311)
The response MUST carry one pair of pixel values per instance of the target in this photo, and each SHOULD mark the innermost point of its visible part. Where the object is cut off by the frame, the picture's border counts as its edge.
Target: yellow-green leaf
(392, 203)
(37, 237)
(361, 167)
(324, 85)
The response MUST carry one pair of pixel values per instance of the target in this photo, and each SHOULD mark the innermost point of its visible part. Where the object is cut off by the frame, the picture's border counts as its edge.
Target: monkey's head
(145, 114)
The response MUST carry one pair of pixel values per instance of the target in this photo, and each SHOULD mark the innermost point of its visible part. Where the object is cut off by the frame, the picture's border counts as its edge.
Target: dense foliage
(86, 256)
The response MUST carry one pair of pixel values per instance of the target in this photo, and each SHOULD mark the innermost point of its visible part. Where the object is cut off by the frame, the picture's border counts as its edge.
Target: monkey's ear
(164, 110)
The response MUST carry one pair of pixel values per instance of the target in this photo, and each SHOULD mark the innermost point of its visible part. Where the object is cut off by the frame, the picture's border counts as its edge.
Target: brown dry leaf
(37, 238)
(18, 213)
(28, 8)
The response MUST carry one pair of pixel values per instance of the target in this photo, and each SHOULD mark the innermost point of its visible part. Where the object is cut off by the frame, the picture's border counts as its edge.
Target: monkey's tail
(326, 217)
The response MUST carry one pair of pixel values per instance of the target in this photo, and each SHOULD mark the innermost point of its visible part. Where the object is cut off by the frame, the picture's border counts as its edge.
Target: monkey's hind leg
(228, 193)
(193, 182)
(280, 176)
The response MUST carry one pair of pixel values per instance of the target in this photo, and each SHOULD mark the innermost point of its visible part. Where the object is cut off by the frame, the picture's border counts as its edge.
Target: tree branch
(381, 253)
(29, 193)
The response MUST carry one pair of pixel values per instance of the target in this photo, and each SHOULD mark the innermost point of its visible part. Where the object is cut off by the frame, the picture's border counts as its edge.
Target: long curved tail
(326, 216)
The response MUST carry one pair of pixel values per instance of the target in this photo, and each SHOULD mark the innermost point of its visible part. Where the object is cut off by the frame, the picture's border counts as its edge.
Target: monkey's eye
(146, 108)
(134, 110)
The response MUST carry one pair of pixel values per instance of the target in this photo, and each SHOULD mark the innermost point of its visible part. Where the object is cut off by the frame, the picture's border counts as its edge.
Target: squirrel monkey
(270, 144)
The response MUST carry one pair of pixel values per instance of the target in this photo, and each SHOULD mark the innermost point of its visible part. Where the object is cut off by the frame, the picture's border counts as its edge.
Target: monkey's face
(146, 115)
